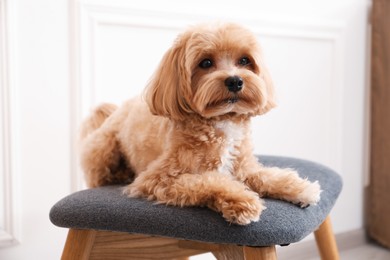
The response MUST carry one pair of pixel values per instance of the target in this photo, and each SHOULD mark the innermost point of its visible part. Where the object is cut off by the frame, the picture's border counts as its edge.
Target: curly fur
(187, 142)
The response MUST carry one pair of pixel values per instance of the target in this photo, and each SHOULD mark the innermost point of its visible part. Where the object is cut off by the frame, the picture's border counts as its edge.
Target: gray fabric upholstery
(106, 208)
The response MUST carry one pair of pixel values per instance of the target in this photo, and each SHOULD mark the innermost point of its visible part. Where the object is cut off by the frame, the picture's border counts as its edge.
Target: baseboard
(307, 249)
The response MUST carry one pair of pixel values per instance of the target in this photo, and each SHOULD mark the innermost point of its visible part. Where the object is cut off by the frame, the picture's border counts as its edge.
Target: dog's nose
(234, 83)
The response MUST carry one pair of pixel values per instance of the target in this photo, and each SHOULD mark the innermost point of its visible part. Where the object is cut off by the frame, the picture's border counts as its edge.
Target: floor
(363, 252)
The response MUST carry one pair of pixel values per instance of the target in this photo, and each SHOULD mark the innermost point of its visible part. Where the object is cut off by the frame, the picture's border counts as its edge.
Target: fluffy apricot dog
(186, 142)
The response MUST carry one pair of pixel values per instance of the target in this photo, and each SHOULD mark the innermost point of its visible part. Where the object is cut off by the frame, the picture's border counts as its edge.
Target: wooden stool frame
(92, 244)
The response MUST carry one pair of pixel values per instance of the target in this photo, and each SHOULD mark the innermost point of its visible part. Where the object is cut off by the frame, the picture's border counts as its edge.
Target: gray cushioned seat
(281, 223)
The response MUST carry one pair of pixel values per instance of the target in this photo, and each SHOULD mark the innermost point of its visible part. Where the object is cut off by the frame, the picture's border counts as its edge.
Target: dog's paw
(242, 210)
(132, 191)
(310, 194)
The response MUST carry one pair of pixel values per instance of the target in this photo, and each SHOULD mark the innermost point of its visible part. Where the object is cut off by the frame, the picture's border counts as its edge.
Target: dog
(186, 140)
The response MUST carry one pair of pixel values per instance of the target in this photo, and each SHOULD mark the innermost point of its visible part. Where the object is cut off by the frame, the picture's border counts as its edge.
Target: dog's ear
(170, 86)
(268, 91)
(269, 85)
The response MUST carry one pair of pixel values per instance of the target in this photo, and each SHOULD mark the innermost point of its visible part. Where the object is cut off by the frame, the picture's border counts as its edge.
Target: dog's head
(211, 71)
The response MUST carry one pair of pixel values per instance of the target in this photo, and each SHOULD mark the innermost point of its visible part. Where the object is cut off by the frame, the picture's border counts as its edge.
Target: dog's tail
(96, 119)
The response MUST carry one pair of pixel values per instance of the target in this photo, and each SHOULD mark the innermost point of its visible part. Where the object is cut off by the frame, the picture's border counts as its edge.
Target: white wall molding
(10, 219)
(75, 91)
(265, 25)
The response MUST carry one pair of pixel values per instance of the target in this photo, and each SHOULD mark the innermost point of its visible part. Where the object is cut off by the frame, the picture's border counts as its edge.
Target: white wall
(35, 49)
(59, 58)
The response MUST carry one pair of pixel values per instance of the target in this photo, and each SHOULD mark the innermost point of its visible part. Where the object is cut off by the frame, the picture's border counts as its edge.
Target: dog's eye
(244, 61)
(205, 64)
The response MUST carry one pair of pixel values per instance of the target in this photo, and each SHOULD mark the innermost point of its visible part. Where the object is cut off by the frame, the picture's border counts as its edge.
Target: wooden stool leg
(260, 253)
(78, 244)
(326, 241)
(228, 252)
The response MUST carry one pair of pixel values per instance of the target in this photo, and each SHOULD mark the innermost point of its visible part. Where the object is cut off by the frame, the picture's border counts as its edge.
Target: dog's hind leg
(96, 119)
(284, 184)
(101, 158)
(278, 183)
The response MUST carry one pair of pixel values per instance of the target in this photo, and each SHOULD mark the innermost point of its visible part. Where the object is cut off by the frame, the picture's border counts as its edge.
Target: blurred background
(60, 58)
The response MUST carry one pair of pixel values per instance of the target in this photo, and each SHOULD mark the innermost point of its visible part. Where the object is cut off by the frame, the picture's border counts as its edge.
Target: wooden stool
(104, 224)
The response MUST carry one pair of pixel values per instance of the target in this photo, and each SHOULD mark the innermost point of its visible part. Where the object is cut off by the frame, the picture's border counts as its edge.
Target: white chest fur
(234, 134)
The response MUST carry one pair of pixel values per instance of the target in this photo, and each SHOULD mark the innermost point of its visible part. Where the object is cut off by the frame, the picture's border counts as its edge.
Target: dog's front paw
(242, 210)
(309, 195)
(133, 191)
